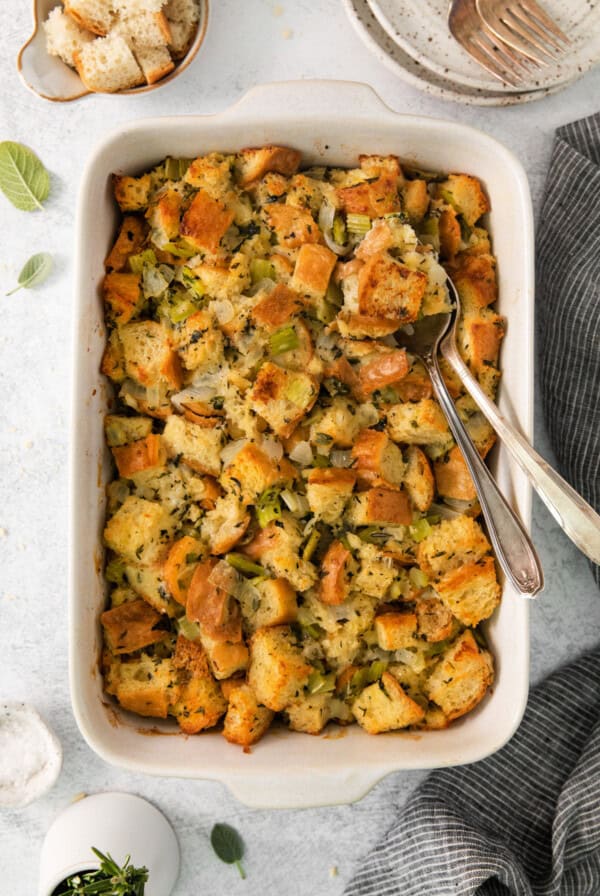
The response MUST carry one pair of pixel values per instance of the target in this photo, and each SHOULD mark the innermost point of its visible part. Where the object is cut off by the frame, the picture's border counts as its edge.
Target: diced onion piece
(223, 310)
(200, 393)
(272, 448)
(298, 504)
(326, 223)
(231, 450)
(340, 458)
(302, 454)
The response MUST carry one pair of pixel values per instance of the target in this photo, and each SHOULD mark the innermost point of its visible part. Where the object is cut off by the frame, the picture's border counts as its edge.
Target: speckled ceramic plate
(413, 72)
(419, 27)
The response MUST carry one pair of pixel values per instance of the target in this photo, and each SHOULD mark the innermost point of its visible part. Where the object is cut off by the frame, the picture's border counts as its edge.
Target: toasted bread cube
(489, 379)
(205, 222)
(337, 570)
(452, 477)
(113, 359)
(466, 195)
(122, 294)
(416, 199)
(209, 603)
(276, 308)
(434, 720)
(481, 432)
(360, 326)
(92, 15)
(180, 565)
(451, 544)
(225, 281)
(418, 479)
(461, 678)
(129, 241)
(200, 702)
(131, 626)
(252, 471)
(395, 630)
(479, 338)
(139, 530)
(375, 165)
(328, 491)
(418, 423)
(246, 720)
(376, 573)
(107, 65)
(120, 595)
(435, 622)
(226, 658)
(385, 706)
(378, 462)
(210, 172)
(450, 233)
(381, 370)
(277, 547)
(64, 37)
(200, 342)
(146, 686)
(197, 446)
(144, 454)
(292, 226)
(278, 672)
(338, 424)
(378, 194)
(149, 358)
(148, 582)
(182, 16)
(314, 266)
(389, 289)
(163, 216)
(124, 430)
(415, 385)
(252, 164)
(475, 279)
(132, 193)
(380, 507)
(278, 604)
(282, 397)
(309, 713)
(223, 526)
(155, 62)
(471, 592)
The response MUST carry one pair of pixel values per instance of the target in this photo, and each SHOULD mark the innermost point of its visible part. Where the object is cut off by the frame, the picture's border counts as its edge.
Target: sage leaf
(34, 272)
(23, 178)
(228, 845)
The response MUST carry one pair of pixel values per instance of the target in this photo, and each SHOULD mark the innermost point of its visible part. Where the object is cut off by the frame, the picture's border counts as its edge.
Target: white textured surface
(287, 852)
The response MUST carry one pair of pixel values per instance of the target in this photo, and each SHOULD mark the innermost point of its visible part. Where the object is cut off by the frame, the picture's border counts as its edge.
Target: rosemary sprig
(109, 879)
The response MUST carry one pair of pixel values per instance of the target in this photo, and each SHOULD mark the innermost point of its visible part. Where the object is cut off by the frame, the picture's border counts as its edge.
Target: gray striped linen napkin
(526, 821)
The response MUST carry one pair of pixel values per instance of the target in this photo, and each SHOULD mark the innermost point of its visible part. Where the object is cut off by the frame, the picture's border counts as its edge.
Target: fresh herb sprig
(229, 846)
(109, 879)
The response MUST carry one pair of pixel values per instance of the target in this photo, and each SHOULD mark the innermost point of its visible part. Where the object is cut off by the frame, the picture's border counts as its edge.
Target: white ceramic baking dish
(331, 122)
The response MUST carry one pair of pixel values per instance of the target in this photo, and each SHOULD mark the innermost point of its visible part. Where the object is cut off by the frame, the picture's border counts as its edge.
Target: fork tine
(534, 28)
(526, 36)
(513, 37)
(534, 9)
(486, 58)
(514, 58)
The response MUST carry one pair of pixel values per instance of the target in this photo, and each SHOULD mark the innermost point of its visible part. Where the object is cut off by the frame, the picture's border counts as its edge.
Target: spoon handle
(512, 545)
(574, 515)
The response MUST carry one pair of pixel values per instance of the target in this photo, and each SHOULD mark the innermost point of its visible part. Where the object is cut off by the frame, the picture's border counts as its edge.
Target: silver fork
(480, 42)
(524, 26)
(511, 543)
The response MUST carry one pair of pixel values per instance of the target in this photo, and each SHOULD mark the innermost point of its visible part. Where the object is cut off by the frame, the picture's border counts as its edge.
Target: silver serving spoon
(574, 515)
(512, 545)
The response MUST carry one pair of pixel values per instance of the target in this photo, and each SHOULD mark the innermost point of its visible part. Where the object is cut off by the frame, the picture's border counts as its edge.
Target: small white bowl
(49, 77)
(31, 755)
(117, 823)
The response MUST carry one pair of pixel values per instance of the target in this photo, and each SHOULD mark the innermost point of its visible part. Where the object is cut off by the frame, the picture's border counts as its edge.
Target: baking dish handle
(291, 99)
(304, 791)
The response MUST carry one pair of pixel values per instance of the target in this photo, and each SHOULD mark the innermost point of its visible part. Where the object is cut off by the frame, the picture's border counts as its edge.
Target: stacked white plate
(412, 38)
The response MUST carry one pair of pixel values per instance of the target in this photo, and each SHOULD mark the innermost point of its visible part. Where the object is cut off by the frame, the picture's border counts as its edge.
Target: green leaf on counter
(228, 845)
(34, 272)
(23, 178)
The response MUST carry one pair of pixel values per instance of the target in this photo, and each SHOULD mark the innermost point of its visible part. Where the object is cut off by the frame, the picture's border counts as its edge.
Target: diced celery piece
(359, 680)
(334, 294)
(244, 564)
(311, 545)
(180, 249)
(181, 310)
(419, 530)
(418, 577)
(320, 460)
(137, 262)
(433, 518)
(298, 391)
(376, 670)
(338, 230)
(319, 683)
(268, 507)
(284, 340)
(187, 628)
(358, 224)
(176, 168)
(430, 232)
(373, 534)
(191, 282)
(370, 638)
(261, 269)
